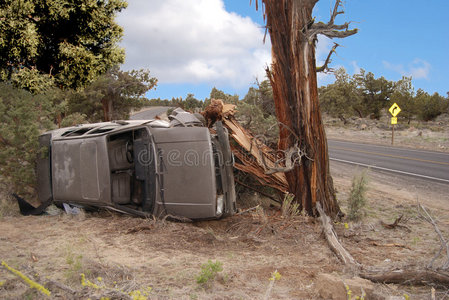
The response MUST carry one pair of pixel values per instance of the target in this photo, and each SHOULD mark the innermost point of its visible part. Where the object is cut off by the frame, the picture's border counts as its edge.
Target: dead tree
(293, 33)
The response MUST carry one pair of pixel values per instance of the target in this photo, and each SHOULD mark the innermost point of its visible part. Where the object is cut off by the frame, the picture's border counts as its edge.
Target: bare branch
(60, 286)
(335, 13)
(331, 30)
(265, 34)
(339, 34)
(293, 157)
(410, 277)
(444, 243)
(325, 67)
(332, 239)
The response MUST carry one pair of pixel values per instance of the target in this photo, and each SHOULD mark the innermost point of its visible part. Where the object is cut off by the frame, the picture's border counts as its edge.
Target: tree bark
(108, 108)
(105, 105)
(294, 82)
(411, 277)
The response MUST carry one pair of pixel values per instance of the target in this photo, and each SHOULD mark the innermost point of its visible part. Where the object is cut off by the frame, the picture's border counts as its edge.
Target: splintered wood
(253, 156)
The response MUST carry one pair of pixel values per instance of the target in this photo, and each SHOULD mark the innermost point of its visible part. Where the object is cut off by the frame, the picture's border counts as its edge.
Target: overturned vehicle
(140, 167)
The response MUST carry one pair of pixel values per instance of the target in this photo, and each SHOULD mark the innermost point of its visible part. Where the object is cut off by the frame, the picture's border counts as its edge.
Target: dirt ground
(123, 257)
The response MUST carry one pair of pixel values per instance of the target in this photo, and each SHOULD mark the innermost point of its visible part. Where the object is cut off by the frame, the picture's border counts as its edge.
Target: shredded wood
(253, 156)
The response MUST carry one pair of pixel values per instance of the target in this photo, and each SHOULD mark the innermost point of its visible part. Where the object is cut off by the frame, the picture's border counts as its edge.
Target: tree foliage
(428, 107)
(73, 41)
(374, 92)
(256, 112)
(23, 116)
(112, 95)
(363, 95)
(191, 103)
(341, 99)
(218, 94)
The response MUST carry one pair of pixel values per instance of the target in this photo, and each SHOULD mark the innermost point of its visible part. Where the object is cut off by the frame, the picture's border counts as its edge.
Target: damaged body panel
(141, 167)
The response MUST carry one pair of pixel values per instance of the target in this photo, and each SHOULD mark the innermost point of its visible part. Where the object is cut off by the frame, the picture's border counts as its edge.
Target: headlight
(220, 204)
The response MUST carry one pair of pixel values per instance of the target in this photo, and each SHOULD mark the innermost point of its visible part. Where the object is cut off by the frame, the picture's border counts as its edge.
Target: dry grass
(8, 206)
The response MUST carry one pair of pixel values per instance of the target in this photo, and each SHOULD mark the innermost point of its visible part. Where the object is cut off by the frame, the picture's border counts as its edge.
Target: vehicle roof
(85, 130)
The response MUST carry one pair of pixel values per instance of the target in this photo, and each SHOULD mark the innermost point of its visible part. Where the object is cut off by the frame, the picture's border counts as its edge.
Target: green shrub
(289, 208)
(357, 196)
(75, 265)
(430, 106)
(74, 119)
(209, 271)
(23, 116)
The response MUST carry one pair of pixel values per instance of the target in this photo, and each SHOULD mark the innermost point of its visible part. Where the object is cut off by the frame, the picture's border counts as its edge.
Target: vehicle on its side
(141, 167)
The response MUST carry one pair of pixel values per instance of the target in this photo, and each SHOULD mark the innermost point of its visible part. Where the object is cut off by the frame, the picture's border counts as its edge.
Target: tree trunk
(106, 103)
(105, 106)
(294, 81)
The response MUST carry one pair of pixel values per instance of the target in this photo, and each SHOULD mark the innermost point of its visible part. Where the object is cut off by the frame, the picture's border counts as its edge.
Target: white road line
(389, 170)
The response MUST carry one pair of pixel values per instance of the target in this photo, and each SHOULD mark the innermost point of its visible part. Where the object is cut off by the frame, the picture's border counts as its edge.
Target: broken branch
(332, 239)
(325, 67)
(418, 277)
(290, 161)
(444, 244)
(394, 224)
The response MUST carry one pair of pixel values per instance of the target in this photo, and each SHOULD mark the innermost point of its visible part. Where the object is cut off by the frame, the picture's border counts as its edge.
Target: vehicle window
(77, 132)
(100, 130)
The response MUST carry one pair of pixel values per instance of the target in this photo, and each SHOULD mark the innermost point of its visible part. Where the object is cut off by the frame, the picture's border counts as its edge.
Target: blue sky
(192, 46)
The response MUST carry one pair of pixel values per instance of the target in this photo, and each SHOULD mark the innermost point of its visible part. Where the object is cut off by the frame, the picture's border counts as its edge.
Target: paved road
(150, 113)
(419, 163)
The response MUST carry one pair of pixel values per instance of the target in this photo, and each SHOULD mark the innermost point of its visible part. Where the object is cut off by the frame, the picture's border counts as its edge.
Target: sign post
(394, 111)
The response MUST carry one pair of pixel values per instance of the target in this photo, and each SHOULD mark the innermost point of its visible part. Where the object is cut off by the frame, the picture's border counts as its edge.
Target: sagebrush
(357, 196)
(209, 271)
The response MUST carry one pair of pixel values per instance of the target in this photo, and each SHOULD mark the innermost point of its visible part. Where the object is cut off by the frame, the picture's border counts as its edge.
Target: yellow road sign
(394, 120)
(394, 110)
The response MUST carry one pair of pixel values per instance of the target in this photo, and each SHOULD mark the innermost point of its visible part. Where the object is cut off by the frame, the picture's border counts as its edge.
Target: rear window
(100, 130)
(77, 132)
(87, 130)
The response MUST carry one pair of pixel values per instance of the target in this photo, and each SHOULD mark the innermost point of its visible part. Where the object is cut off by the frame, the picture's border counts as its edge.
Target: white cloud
(355, 66)
(420, 69)
(198, 41)
(193, 41)
(397, 68)
(417, 69)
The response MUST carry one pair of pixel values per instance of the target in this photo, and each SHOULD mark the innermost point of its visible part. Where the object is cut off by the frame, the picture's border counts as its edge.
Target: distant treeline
(360, 95)
(363, 95)
(190, 103)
